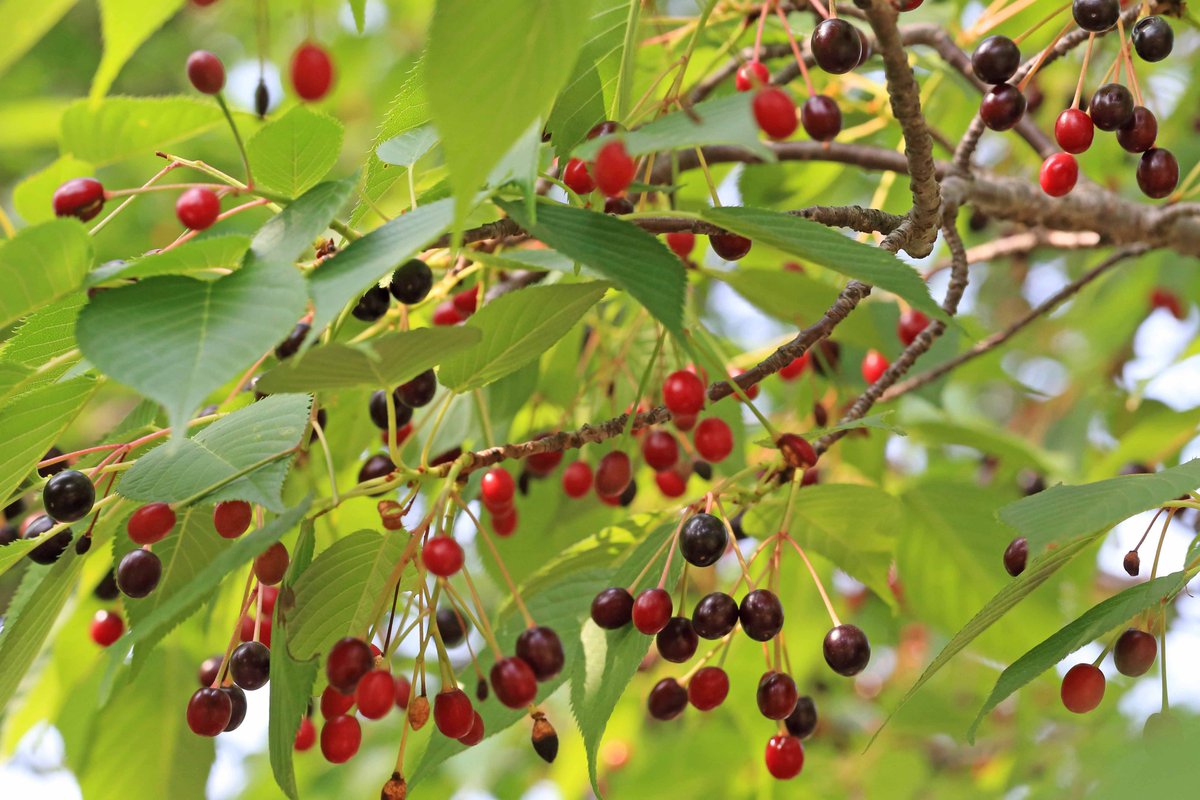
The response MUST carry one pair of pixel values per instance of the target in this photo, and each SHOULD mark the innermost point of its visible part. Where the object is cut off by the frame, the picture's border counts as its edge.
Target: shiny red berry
(79, 197)
(206, 72)
(150, 523)
(349, 660)
(873, 366)
(751, 75)
(208, 711)
(232, 518)
(775, 112)
(660, 450)
(1074, 131)
(1082, 688)
(796, 450)
(910, 325)
(796, 368)
(614, 169)
(447, 314)
(403, 691)
(713, 439)
(375, 694)
(497, 489)
(708, 688)
(681, 243)
(1134, 652)
(106, 627)
(577, 479)
(340, 738)
(514, 682)
(613, 474)
(475, 735)
(1059, 174)
(784, 757)
(442, 556)
(652, 611)
(306, 736)
(730, 246)
(577, 177)
(312, 71)
(671, 483)
(504, 523)
(683, 393)
(198, 208)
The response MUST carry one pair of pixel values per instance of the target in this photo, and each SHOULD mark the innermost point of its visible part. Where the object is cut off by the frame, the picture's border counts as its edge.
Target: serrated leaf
(33, 196)
(353, 270)
(291, 680)
(620, 251)
(385, 361)
(231, 445)
(724, 121)
(291, 153)
(408, 110)
(42, 350)
(580, 104)
(25, 24)
(1062, 512)
(406, 149)
(792, 297)
(124, 26)
(1098, 620)
(41, 264)
(199, 256)
(515, 329)
(124, 127)
(827, 248)
(461, 75)
(176, 339)
(338, 594)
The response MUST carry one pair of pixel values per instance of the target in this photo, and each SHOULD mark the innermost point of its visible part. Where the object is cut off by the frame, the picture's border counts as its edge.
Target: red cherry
(796, 450)
(911, 323)
(652, 611)
(660, 450)
(447, 314)
(671, 483)
(150, 523)
(796, 368)
(751, 392)
(730, 246)
(306, 736)
(453, 713)
(198, 208)
(514, 681)
(79, 197)
(785, 757)
(908, 5)
(475, 735)
(349, 660)
(821, 118)
(443, 557)
(577, 177)
(613, 474)
(106, 627)
(312, 71)
(403, 691)
(497, 489)
(683, 393)
(1074, 131)
(614, 169)
(577, 479)
(334, 703)
(682, 243)
(751, 75)
(375, 694)
(1059, 174)
(873, 366)
(269, 595)
(340, 739)
(542, 464)
(1165, 298)
(713, 439)
(1082, 688)
(467, 301)
(505, 523)
(206, 72)
(208, 711)
(232, 518)
(684, 422)
(708, 688)
(775, 113)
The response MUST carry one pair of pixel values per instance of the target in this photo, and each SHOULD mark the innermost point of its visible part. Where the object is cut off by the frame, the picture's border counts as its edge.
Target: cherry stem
(247, 597)
(1161, 538)
(485, 626)
(1037, 25)
(487, 539)
(650, 562)
(1087, 57)
(257, 611)
(796, 51)
(333, 488)
(662, 580)
(237, 137)
(1162, 657)
(987, 22)
(168, 187)
(1137, 90)
(1044, 55)
(444, 665)
(437, 424)
(1148, 527)
(758, 34)
(99, 226)
(736, 549)
(817, 580)
(819, 7)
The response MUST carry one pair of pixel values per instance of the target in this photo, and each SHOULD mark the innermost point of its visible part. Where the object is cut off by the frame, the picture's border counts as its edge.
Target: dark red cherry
(514, 682)
(542, 650)
(349, 660)
(715, 615)
(613, 474)
(206, 72)
(411, 283)
(911, 323)
(660, 450)
(82, 198)
(761, 615)
(250, 665)
(1082, 688)
(208, 711)
(1096, 16)
(138, 573)
(1111, 107)
(1153, 38)
(652, 611)
(730, 246)
(667, 699)
(996, 59)
(68, 496)
(612, 608)
(703, 540)
(776, 695)
(1158, 173)
(821, 118)
(713, 439)
(232, 518)
(677, 641)
(847, 650)
(836, 46)
(802, 722)
(1138, 135)
(1015, 556)
(577, 479)
(1135, 652)
(1002, 107)
(708, 688)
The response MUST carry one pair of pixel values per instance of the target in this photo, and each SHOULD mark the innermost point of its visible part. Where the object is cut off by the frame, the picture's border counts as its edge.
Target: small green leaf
(618, 250)
(124, 127)
(33, 197)
(1063, 512)
(43, 337)
(386, 361)
(516, 328)
(819, 245)
(349, 273)
(199, 257)
(791, 297)
(407, 148)
(41, 264)
(291, 153)
(289, 234)
(1097, 621)
(231, 445)
(359, 9)
(25, 24)
(124, 26)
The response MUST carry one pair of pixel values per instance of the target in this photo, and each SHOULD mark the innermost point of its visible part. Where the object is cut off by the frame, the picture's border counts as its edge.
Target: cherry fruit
(271, 565)
(514, 682)
(730, 246)
(614, 169)
(874, 364)
(475, 735)
(996, 59)
(667, 700)
(703, 540)
(1096, 16)
(419, 392)
(708, 688)
(1139, 133)
(497, 489)
(715, 615)
(206, 72)
(1015, 556)
(761, 615)
(68, 496)
(138, 573)
(1157, 173)
(652, 611)
(796, 368)
(150, 523)
(340, 738)
(577, 479)
(1134, 652)
(911, 323)
(612, 608)
(209, 711)
(836, 46)
(1082, 688)
(683, 392)
(784, 757)
(1111, 107)
(660, 450)
(802, 722)
(232, 518)
(198, 208)
(1059, 174)
(776, 695)
(442, 556)
(1074, 131)
(1153, 38)
(847, 650)
(774, 112)
(542, 650)
(681, 243)
(50, 550)
(334, 703)
(751, 75)
(349, 660)
(797, 452)
(677, 641)
(250, 665)
(713, 439)
(821, 118)
(613, 474)
(1002, 107)
(106, 627)
(577, 178)
(411, 282)
(312, 71)
(82, 198)
(306, 736)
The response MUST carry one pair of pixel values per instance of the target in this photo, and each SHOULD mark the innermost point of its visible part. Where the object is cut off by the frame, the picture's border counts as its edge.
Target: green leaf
(1097, 621)
(176, 339)
(516, 328)
(291, 680)
(819, 245)
(228, 447)
(353, 270)
(386, 361)
(25, 24)
(291, 153)
(1037, 572)
(33, 197)
(199, 257)
(409, 109)
(29, 425)
(462, 76)
(41, 264)
(42, 350)
(124, 26)
(358, 8)
(792, 297)
(726, 120)
(338, 595)
(125, 127)
(1063, 512)
(620, 251)
(407, 148)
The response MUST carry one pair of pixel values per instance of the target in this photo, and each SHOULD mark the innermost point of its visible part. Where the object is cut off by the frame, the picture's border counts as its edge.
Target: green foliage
(290, 154)
(118, 128)
(40, 265)
(27, 24)
(125, 25)
(197, 258)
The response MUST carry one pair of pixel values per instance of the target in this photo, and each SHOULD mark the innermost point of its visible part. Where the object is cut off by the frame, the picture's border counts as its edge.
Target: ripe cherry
(681, 243)
(1074, 131)
(377, 407)
(797, 452)
(1157, 173)
(198, 208)
(911, 323)
(1138, 135)
(874, 364)
(613, 474)
(1059, 174)
(577, 479)
(79, 197)
(291, 345)
(542, 650)
(271, 565)
(106, 628)
(671, 483)
(250, 665)
(836, 46)
(206, 72)
(68, 496)
(446, 314)
(577, 178)
(715, 615)
(451, 627)
(751, 75)
(403, 691)
(497, 489)
(232, 518)
(677, 642)
(475, 735)
(208, 711)
(514, 682)
(660, 450)
(730, 246)
(713, 439)
(1082, 688)
(612, 608)
(761, 615)
(683, 392)
(340, 738)
(796, 368)
(375, 694)
(996, 59)
(1002, 107)
(1015, 556)
(542, 464)
(821, 118)
(1096, 16)
(349, 660)
(708, 688)
(776, 695)
(618, 206)
(652, 611)
(1153, 38)
(306, 736)
(334, 703)
(1111, 107)
(50, 550)
(138, 573)
(411, 282)
(613, 169)
(683, 422)
(774, 112)
(442, 556)
(1134, 652)
(150, 523)
(419, 392)
(667, 700)
(312, 71)
(802, 722)
(703, 540)
(847, 650)
(784, 757)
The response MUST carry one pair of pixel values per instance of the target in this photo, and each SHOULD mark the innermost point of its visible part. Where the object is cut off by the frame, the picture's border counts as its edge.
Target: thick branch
(1022, 243)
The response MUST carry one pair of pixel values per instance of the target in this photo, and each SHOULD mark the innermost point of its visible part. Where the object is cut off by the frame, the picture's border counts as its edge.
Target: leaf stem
(237, 137)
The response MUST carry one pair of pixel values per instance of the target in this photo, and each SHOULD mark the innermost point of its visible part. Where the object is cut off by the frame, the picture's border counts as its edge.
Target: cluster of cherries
(1112, 107)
